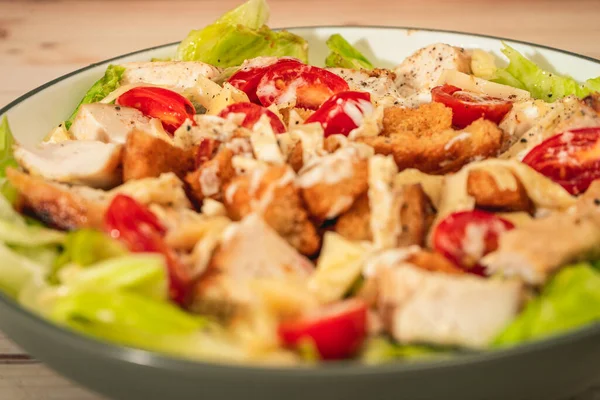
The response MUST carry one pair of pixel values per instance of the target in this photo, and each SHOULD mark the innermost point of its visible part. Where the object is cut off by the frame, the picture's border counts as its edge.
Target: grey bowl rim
(322, 370)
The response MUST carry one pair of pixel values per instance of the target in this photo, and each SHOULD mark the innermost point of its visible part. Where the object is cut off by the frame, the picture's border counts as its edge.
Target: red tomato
(571, 159)
(342, 112)
(170, 107)
(468, 107)
(337, 330)
(253, 113)
(205, 150)
(309, 86)
(140, 230)
(247, 78)
(465, 237)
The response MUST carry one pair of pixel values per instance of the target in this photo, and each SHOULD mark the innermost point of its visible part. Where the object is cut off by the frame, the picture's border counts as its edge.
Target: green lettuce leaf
(7, 159)
(87, 246)
(17, 270)
(344, 55)
(239, 35)
(99, 90)
(570, 300)
(380, 350)
(525, 74)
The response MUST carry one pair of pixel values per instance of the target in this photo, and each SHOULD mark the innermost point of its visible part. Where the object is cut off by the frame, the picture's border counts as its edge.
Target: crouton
(488, 195)
(209, 179)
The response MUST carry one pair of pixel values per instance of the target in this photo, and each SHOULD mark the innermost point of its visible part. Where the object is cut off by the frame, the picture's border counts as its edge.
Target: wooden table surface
(43, 39)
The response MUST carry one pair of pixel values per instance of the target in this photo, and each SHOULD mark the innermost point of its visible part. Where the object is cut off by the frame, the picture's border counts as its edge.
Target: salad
(236, 204)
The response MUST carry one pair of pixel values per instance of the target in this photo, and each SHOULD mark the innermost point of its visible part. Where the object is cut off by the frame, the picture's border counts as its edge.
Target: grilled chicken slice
(270, 191)
(177, 74)
(67, 207)
(146, 156)
(82, 162)
(422, 69)
(379, 83)
(110, 123)
(420, 306)
(241, 257)
(535, 250)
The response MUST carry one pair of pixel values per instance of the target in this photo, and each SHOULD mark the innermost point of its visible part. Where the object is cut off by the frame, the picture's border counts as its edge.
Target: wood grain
(43, 39)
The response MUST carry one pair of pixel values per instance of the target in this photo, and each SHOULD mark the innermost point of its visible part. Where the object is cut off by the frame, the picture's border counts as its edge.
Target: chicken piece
(433, 261)
(68, 207)
(177, 74)
(330, 185)
(210, 178)
(249, 249)
(209, 127)
(379, 83)
(534, 251)
(440, 152)
(111, 123)
(593, 101)
(420, 306)
(271, 192)
(146, 156)
(487, 193)
(82, 162)
(355, 224)
(427, 119)
(530, 123)
(422, 69)
(416, 216)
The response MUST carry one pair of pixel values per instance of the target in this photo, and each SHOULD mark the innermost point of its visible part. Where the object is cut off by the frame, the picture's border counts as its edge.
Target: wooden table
(40, 40)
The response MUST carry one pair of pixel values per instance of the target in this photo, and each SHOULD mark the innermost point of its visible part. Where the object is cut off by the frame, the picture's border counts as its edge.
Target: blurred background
(43, 39)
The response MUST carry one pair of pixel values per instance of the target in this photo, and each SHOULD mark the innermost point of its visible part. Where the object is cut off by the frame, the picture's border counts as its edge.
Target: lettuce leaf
(238, 35)
(525, 74)
(570, 300)
(380, 350)
(7, 159)
(99, 90)
(344, 55)
(17, 270)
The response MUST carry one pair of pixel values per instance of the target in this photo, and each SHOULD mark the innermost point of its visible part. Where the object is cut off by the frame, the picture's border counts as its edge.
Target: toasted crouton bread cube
(484, 188)
(209, 179)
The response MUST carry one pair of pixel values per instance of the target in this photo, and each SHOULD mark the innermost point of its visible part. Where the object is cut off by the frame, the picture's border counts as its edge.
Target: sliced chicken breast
(111, 124)
(420, 306)
(422, 70)
(178, 74)
(378, 82)
(82, 162)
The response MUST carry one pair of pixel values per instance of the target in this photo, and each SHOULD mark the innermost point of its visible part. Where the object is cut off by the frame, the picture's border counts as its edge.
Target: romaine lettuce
(87, 246)
(570, 300)
(17, 270)
(7, 159)
(344, 55)
(238, 35)
(525, 74)
(380, 350)
(99, 90)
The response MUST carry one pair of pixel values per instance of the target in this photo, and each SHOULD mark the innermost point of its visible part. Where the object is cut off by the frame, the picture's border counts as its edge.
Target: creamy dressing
(384, 202)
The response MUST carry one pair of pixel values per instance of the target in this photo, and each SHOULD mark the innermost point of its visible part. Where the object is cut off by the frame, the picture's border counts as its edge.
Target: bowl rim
(323, 370)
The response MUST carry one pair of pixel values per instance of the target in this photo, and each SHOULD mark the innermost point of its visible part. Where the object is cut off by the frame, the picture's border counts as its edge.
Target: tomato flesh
(464, 237)
(571, 159)
(468, 107)
(139, 229)
(342, 112)
(171, 108)
(302, 85)
(252, 113)
(337, 330)
(247, 78)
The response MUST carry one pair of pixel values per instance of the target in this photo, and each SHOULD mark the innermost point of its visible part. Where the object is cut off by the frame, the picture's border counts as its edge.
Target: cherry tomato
(337, 330)
(468, 107)
(308, 86)
(139, 229)
(247, 78)
(342, 112)
(170, 107)
(571, 159)
(465, 237)
(253, 113)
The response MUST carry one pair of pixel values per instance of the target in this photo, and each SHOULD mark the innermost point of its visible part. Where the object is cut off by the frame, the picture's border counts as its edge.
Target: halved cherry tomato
(468, 107)
(465, 237)
(305, 85)
(170, 107)
(253, 113)
(337, 330)
(342, 112)
(139, 229)
(571, 159)
(247, 78)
